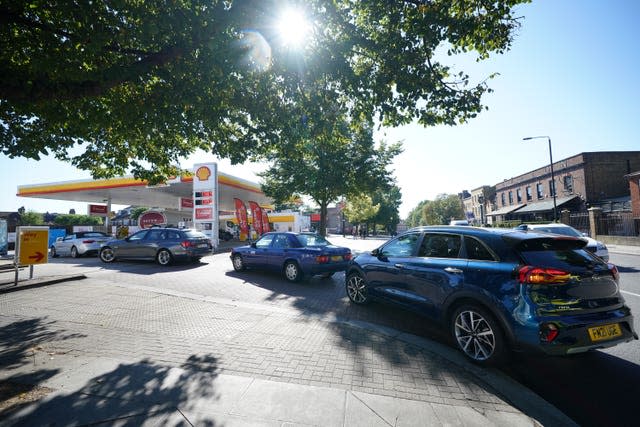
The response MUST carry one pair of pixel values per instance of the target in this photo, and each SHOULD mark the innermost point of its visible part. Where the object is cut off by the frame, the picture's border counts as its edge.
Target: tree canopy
(442, 210)
(335, 159)
(360, 209)
(133, 87)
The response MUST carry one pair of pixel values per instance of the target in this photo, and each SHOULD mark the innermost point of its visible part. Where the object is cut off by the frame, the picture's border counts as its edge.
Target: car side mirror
(253, 245)
(59, 239)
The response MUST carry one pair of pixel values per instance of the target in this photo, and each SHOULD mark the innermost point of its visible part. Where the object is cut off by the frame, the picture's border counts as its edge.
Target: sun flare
(293, 28)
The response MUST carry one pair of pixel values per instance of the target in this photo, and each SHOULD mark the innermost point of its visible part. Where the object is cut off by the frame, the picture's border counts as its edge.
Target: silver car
(79, 243)
(593, 245)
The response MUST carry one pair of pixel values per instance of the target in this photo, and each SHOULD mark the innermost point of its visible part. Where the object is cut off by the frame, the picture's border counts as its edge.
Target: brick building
(634, 189)
(589, 179)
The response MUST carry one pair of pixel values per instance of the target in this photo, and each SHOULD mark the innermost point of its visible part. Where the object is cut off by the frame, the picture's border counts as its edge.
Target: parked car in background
(593, 245)
(164, 245)
(225, 235)
(294, 254)
(78, 244)
(497, 290)
(459, 222)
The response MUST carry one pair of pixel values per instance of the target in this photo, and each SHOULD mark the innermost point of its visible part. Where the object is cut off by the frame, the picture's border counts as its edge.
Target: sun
(293, 28)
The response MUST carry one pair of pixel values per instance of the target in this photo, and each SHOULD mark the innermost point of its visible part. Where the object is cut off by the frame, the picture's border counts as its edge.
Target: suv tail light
(548, 332)
(542, 276)
(187, 244)
(347, 257)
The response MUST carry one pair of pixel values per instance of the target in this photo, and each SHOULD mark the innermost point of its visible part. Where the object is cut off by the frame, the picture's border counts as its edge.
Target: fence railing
(617, 224)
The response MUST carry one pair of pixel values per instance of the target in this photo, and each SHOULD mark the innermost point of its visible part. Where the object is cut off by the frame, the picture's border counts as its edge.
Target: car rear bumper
(327, 268)
(573, 332)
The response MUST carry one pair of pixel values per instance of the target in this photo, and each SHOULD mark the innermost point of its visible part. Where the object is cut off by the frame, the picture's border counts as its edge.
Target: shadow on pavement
(130, 394)
(21, 340)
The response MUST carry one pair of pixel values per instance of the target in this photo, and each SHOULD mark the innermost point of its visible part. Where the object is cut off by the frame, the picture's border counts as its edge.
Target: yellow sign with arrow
(32, 245)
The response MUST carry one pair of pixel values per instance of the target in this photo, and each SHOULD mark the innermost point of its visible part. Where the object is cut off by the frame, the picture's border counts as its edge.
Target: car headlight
(601, 246)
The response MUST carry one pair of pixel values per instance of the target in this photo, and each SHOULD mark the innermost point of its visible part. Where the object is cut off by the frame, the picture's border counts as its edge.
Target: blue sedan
(294, 254)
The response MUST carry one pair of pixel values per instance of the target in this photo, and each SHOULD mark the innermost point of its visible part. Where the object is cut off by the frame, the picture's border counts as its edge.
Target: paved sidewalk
(130, 355)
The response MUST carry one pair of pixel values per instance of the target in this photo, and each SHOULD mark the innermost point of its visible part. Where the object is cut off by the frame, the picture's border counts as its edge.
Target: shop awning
(547, 205)
(505, 210)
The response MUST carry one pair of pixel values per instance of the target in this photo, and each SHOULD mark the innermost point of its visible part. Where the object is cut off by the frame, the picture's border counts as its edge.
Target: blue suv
(498, 290)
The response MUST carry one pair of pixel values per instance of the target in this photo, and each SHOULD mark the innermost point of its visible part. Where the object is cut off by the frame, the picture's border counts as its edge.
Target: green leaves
(139, 85)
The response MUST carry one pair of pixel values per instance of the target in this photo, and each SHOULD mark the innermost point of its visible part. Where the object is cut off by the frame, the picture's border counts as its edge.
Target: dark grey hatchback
(164, 245)
(499, 290)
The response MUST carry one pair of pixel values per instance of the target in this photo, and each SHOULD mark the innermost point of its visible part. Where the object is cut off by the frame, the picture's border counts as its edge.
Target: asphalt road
(595, 389)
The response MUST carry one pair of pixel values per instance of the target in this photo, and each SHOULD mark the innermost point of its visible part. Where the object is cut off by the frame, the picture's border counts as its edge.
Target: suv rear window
(566, 254)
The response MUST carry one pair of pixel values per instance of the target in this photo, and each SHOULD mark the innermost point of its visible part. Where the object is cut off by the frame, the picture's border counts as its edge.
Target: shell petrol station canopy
(131, 191)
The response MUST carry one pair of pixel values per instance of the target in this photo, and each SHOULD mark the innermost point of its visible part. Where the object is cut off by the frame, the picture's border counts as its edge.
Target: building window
(510, 197)
(552, 188)
(502, 199)
(567, 181)
(519, 195)
(529, 195)
(539, 190)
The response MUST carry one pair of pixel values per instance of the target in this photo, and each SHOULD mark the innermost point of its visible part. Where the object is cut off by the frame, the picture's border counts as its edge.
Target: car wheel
(292, 271)
(163, 257)
(326, 275)
(74, 252)
(478, 335)
(107, 255)
(357, 289)
(238, 263)
(53, 252)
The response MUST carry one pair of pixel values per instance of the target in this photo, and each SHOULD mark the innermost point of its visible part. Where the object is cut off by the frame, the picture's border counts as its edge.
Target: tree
(360, 209)
(442, 210)
(133, 87)
(389, 200)
(31, 218)
(414, 218)
(68, 220)
(137, 211)
(331, 159)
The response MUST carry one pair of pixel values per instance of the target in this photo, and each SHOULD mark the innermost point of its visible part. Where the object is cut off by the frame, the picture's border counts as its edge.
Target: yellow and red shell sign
(203, 173)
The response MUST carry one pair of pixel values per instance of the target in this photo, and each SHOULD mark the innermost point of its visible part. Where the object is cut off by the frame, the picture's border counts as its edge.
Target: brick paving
(274, 341)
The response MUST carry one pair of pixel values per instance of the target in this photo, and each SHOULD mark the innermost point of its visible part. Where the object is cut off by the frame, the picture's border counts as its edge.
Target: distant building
(634, 188)
(590, 179)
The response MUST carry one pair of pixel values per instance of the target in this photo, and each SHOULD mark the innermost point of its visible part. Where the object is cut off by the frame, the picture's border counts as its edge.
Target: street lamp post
(553, 178)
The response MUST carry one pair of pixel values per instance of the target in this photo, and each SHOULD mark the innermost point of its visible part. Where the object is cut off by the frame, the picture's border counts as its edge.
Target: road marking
(630, 293)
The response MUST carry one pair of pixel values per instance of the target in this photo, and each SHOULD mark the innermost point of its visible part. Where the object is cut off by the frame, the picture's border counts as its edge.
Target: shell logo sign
(203, 173)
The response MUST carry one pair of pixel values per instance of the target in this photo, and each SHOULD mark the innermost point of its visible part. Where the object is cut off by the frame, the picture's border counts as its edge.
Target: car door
(64, 247)
(149, 246)
(128, 248)
(386, 274)
(437, 270)
(279, 251)
(257, 255)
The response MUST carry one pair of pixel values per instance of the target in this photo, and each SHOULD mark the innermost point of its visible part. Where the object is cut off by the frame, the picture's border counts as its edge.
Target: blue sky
(572, 74)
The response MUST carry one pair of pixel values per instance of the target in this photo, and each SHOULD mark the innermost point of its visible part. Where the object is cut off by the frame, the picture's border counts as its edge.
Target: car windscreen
(564, 254)
(312, 240)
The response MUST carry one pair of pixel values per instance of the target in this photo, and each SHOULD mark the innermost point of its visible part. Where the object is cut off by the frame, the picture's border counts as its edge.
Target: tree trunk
(323, 219)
